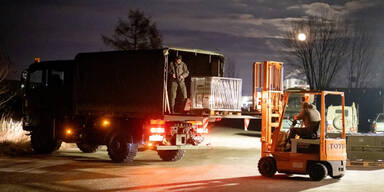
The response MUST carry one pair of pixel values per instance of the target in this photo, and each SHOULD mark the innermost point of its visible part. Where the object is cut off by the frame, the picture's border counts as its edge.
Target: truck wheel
(44, 144)
(87, 147)
(318, 172)
(170, 155)
(120, 150)
(267, 166)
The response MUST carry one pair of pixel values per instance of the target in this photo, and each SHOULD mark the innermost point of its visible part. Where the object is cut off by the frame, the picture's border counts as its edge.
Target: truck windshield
(37, 79)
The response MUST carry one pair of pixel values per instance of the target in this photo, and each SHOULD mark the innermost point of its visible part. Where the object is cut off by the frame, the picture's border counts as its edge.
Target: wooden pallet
(363, 163)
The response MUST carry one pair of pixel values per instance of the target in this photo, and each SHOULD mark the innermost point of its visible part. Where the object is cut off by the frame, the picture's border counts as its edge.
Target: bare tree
(5, 63)
(361, 54)
(136, 33)
(6, 95)
(230, 68)
(321, 54)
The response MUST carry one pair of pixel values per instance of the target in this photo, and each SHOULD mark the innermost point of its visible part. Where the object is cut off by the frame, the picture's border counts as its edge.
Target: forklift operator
(311, 118)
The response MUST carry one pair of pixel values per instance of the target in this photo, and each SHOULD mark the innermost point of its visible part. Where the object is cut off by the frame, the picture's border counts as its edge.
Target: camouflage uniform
(178, 70)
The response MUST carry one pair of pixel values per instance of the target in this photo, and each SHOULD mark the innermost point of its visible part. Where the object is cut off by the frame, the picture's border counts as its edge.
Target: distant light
(301, 37)
(37, 60)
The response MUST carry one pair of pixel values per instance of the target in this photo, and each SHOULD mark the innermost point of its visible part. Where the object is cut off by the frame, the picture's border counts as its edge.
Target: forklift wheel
(318, 172)
(338, 177)
(267, 166)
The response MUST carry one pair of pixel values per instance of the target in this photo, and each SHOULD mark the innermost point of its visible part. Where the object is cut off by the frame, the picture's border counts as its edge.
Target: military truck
(334, 116)
(118, 99)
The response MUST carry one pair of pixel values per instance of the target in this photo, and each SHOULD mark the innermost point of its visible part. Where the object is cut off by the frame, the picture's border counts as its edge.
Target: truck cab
(47, 96)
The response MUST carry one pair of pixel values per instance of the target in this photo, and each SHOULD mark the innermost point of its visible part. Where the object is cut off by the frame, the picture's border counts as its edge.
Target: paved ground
(230, 165)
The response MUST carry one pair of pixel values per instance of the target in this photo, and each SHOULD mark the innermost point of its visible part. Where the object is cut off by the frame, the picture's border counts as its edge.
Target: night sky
(244, 30)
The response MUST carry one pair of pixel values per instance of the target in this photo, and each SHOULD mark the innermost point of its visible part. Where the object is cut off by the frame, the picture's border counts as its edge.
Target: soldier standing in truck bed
(179, 71)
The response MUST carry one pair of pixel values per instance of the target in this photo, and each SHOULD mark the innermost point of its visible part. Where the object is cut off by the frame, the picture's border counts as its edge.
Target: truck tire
(43, 143)
(87, 147)
(120, 150)
(318, 172)
(170, 155)
(267, 166)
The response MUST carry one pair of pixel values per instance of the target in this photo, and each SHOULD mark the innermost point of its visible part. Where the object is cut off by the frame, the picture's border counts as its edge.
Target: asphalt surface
(229, 164)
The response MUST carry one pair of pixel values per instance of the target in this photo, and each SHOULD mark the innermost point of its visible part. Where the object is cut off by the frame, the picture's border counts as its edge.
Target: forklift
(323, 154)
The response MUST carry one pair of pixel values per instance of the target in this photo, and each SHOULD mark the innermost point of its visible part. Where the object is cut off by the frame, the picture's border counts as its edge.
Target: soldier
(179, 72)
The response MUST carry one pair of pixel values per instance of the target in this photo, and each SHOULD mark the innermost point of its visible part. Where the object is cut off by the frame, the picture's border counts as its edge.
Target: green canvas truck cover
(134, 83)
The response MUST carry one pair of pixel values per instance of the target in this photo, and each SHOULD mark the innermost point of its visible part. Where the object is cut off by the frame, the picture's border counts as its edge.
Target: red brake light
(157, 130)
(156, 138)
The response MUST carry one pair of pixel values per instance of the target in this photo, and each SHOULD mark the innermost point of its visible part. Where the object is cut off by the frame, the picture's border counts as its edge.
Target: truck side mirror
(23, 79)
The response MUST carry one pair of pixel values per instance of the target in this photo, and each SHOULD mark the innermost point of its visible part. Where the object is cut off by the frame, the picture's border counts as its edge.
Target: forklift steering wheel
(293, 122)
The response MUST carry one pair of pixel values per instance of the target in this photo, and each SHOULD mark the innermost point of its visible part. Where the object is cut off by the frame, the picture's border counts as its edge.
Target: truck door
(44, 94)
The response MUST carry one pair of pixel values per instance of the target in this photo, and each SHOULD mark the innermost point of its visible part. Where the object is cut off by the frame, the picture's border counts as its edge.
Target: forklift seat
(295, 142)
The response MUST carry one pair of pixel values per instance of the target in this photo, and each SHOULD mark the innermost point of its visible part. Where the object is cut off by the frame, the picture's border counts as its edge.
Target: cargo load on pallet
(216, 93)
(365, 147)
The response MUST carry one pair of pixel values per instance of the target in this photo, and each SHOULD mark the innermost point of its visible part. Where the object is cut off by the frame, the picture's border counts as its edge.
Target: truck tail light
(157, 130)
(156, 138)
(157, 122)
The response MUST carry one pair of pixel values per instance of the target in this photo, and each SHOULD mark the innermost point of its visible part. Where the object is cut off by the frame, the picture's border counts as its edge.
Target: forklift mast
(267, 99)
